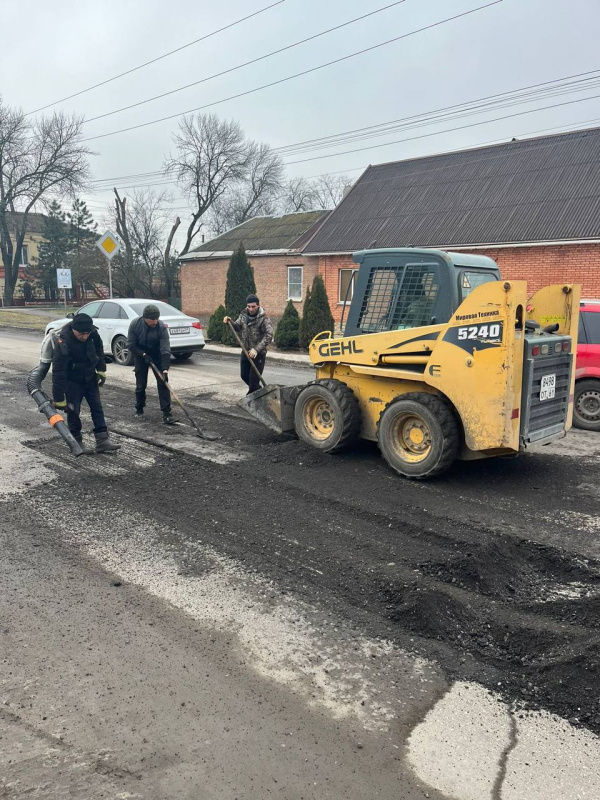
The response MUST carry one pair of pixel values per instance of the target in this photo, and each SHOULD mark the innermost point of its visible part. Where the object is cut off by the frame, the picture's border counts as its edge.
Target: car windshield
(165, 309)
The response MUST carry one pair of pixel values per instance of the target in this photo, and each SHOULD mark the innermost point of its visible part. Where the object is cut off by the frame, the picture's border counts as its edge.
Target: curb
(282, 358)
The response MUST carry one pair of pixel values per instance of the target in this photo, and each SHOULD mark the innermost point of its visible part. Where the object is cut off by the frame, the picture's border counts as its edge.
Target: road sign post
(109, 245)
(63, 281)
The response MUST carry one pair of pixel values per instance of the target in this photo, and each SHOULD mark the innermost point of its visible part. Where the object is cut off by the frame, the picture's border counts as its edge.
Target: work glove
(252, 353)
(226, 320)
(62, 404)
(100, 378)
(166, 376)
(147, 359)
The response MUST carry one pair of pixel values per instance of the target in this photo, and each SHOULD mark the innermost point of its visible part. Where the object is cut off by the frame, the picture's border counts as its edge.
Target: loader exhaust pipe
(34, 387)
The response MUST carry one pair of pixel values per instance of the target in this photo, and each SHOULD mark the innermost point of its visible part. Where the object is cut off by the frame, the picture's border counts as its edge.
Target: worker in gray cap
(148, 341)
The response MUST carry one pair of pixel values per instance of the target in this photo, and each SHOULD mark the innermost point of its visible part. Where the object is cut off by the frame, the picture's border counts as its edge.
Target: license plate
(548, 387)
(179, 330)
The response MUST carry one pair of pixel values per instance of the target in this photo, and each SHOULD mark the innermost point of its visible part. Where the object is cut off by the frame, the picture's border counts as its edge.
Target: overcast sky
(51, 50)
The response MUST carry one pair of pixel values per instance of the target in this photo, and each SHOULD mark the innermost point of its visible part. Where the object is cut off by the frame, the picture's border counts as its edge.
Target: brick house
(29, 254)
(274, 248)
(533, 206)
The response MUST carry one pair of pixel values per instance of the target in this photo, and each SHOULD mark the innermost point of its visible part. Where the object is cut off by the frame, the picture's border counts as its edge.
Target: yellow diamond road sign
(108, 244)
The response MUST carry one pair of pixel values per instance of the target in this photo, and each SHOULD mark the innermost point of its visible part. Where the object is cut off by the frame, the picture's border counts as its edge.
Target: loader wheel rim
(588, 405)
(411, 437)
(319, 418)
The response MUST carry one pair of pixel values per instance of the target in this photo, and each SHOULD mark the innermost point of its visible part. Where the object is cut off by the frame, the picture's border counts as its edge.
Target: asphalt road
(250, 618)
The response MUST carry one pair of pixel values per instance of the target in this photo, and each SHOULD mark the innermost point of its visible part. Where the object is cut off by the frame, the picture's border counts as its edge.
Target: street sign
(108, 244)
(63, 279)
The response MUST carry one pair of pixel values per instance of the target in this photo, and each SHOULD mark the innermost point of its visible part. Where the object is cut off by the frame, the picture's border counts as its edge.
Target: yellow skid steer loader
(440, 360)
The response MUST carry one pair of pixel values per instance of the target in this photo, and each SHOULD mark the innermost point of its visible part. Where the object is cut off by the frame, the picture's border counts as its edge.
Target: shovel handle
(245, 352)
(159, 374)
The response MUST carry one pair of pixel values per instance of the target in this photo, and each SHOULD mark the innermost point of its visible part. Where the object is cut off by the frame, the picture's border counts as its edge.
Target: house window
(347, 285)
(295, 283)
(24, 256)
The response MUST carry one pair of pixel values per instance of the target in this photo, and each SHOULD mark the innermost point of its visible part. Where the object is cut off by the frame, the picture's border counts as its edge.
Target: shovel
(272, 405)
(210, 437)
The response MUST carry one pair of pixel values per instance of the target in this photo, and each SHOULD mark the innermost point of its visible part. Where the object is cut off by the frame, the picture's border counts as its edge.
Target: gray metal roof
(262, 234)
(536, 190)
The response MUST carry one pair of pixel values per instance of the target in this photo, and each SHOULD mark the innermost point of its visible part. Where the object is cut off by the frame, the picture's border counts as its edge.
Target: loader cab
(400, 288)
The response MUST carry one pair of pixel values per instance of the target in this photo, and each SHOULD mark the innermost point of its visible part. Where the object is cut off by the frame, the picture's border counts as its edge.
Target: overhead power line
(447, 130)
(298, 74)
(385, 128)
(158, 58)
(246, 63)
(556, 87)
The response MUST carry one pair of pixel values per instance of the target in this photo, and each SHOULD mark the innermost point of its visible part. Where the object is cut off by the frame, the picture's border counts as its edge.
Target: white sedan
(112, 318)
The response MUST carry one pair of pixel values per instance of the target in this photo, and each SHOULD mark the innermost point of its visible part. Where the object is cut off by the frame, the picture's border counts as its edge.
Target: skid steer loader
(440, 360)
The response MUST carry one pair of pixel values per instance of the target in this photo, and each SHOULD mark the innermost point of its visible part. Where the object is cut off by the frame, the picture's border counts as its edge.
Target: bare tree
(256, 194)
(211, 156)
(298, 195)
(328, 190)
(147, 267)
(39, 160)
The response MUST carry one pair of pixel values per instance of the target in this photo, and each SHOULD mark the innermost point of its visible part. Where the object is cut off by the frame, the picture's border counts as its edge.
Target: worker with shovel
(256, 333)
(148, 340)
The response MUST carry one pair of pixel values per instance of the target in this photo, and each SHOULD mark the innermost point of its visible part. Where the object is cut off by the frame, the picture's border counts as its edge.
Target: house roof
(35, 222)
(536, 190)
(262, 234)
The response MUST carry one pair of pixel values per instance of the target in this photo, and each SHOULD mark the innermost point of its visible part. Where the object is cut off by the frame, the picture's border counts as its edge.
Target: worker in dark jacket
(256, 332)
(78, 371)
(148, 340)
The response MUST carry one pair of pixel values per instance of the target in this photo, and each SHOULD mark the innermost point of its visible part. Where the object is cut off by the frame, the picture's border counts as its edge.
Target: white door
(107, 321)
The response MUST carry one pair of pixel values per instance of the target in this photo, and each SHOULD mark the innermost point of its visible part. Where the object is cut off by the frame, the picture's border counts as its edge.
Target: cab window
(467, 281)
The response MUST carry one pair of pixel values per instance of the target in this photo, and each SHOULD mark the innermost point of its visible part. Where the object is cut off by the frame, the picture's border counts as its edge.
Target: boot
(104, 445)
(87, 451)
(168, 419)
(139, 413)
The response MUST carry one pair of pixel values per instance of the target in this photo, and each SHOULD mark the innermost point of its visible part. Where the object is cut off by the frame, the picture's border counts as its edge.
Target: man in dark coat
(78, 371)
(148, 340)
(256, 332)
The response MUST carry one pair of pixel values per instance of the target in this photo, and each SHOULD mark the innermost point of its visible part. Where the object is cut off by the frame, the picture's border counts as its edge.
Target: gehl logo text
(338, 348)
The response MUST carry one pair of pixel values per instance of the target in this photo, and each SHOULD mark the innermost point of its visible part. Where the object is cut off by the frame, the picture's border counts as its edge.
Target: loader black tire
(327, 415)
(419, 435)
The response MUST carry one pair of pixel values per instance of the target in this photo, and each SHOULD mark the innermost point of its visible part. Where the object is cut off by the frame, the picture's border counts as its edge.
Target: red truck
(586, 410)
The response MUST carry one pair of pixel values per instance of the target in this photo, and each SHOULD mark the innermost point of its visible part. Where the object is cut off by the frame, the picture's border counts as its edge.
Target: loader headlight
(545, 349)
(558, 347)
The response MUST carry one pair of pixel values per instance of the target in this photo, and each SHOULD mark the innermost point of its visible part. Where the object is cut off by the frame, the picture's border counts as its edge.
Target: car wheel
(182, 356)
(586, 408)
(120, 352)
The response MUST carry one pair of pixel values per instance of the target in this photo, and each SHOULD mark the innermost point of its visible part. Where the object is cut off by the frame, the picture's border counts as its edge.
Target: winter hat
(82, 323)
(151, 312)
(252, 298)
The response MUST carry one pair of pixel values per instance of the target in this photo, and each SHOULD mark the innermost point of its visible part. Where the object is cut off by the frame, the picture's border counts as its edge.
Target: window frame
(467, 271)
(289, 296)
(586, 318)
(341, 301)
(24, 262)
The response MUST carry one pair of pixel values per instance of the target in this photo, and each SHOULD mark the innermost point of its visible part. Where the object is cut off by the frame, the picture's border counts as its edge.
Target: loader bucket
(273, 406)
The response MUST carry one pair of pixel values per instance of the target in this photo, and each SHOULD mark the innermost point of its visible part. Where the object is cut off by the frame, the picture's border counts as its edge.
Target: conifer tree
(240, 283)
(287, 334)
(54, 249)
(317, 316)
(215, 325)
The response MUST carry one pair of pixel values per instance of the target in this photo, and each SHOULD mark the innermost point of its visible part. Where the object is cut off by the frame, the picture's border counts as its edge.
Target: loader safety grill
(546, 415)
(399, 297)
